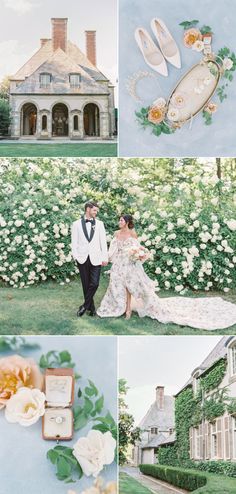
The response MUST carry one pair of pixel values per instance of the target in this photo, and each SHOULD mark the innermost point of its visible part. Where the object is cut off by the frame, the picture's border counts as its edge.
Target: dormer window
(45, 80)
(154, 430)
(74, 80)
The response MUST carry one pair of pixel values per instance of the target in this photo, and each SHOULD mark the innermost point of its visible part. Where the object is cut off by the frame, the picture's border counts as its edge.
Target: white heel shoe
(151, 53)
(166, 42)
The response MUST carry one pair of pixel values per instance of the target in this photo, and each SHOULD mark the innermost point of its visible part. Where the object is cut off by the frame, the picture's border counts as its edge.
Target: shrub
(185, 479)
(219, 467)
(188, 226)
(167, 455)
(5, 118)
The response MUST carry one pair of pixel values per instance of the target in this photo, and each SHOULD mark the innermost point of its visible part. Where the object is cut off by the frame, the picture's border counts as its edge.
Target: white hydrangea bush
(189, 225)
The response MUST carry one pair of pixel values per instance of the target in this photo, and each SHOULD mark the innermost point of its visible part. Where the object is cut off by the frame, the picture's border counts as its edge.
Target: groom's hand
(104, 263)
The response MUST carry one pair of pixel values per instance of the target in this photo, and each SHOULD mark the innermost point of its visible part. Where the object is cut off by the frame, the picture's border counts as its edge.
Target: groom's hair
(91, 204)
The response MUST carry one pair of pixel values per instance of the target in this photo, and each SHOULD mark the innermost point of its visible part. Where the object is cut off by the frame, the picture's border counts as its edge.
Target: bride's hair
(128, 220)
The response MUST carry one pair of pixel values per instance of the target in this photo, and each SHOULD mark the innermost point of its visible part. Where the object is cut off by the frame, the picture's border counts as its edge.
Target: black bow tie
(88, 221)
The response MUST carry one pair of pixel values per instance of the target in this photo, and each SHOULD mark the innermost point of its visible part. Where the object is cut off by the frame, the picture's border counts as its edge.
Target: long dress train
(208, 313)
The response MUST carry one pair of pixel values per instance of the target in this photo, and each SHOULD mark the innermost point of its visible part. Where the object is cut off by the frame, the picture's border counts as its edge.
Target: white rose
(180, 221)
(160, 102)
(179, 288)
(227, 63)
(198, 45)
(95, 451)
(25, 407)
(173, 114)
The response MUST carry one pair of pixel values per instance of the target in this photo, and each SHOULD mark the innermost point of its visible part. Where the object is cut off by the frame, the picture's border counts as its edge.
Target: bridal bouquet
(22, 399)
(138, 254)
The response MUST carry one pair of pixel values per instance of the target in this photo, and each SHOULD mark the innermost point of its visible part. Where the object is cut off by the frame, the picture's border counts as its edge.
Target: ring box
(57, 422)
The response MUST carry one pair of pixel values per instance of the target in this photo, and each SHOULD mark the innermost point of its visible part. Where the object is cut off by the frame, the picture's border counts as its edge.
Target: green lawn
(217, 484)
(45, 150)
(51, 309)
(128, 485)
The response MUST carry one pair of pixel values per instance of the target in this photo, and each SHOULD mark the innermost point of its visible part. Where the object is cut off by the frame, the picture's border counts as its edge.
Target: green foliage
(221, 93)
(167, 455)
(206, 29)
(66, 464)
(56, 359)
(212, 409)
(207, 117)
(157, 129)
(89, 407)
(185, 479)
(16, 344)
(5, 118)
(231, 407)
(189, 24)
(184, 410)
(5, 88)
(227, 468)
(214, 376)
(127, 433)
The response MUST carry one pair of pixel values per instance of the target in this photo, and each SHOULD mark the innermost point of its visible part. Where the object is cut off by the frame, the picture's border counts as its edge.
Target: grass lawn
(51, 309)
(128, 485)
(45, 150)
(217, 484)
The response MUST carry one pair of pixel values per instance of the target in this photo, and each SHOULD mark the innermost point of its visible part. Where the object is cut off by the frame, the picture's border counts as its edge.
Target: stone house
(60, 92)
(157, 427)
(215, 438)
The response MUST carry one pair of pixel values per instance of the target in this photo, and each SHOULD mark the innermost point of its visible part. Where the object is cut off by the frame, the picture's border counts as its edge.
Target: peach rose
(17, 372)
(191, 36)
(211, 107)
(156, 114)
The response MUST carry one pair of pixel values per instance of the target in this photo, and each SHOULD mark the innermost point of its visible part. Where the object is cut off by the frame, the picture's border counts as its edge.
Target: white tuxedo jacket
(94, 246)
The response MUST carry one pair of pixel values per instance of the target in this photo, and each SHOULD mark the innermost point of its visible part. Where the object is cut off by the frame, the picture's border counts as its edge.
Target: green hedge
(220, 467)
(184, 479)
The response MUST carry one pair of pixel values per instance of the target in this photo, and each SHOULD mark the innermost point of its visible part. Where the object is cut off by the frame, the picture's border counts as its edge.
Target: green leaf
(157, 130)
(88, 406)
(43, 363)
(63, 468)
(52, 456)
(206, 29)
(92, 385)
(79, 394)
(101, 427)
(188, 24)
(80, 421)
(99, 404)
(65, 356)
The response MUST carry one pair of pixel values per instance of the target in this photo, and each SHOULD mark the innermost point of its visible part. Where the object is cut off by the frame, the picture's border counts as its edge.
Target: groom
(89, 249)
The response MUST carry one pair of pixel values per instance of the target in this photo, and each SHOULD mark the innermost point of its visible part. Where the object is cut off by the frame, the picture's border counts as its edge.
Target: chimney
(59, 33)
(43, 41)
(91, 46)
(160, 397)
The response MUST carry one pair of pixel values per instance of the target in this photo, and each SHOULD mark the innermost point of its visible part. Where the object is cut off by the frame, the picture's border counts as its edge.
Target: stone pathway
(156, 486)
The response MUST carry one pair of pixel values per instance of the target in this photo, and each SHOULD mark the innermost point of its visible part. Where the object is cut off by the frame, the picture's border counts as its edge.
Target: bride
(131, 289)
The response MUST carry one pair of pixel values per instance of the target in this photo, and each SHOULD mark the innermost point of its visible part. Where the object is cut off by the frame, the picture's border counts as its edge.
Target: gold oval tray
(193, 92)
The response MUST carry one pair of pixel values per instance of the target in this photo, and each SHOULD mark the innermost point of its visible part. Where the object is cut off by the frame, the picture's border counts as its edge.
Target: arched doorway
(29, 119)
(91, 120)
(60, 125)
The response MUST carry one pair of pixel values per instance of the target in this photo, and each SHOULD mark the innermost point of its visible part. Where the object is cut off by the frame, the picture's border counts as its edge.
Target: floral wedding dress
(202, 313)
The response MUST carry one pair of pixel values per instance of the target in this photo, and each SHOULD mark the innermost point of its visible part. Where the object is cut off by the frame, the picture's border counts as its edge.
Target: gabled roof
(154, 442)
(59, 65)
(218, 352)
(45, 52)
(161, 418)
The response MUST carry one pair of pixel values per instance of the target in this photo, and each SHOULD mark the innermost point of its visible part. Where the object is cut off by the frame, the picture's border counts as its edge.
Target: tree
(5, 88)
(127, 434)
(5, 118)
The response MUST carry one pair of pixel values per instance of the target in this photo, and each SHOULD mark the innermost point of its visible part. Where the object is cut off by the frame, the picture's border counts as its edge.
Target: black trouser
(90, 276)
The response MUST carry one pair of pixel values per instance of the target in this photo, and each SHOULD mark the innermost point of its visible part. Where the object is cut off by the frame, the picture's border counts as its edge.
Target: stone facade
(60, 92)
(216, 440)
(156, 427)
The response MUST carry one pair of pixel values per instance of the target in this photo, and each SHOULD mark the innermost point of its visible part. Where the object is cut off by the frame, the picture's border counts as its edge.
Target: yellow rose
(17, 372)
(156, 114)
(191, 36)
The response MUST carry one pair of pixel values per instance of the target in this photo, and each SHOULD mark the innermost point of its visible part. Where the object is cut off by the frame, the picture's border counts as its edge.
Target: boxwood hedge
(179, 477)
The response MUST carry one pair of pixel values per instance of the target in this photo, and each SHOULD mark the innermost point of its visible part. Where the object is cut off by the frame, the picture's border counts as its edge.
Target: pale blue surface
(23, 464)
(215, 140)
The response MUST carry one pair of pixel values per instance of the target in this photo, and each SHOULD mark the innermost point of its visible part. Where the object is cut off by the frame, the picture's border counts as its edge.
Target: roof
(218, 352)
(156, 417)
(169, 440)
(154, 442)
(59, 65)
(43, 59)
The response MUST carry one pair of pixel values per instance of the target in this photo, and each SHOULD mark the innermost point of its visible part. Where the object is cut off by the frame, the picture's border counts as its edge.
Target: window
(44, 122)
(45, 80)
(76, 122)
(214, 452)
(74, 80)
(154, 430)
(234, 437)
(233, 359)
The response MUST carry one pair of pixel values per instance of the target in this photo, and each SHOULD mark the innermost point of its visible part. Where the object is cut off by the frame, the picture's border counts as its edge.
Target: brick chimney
(160, 397)
(59, 33)
(91, 46)
(43, 41)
